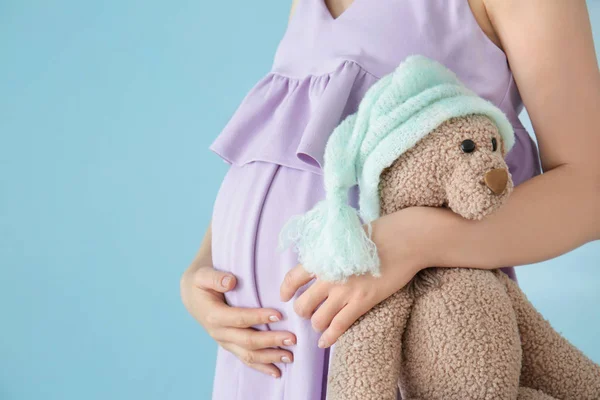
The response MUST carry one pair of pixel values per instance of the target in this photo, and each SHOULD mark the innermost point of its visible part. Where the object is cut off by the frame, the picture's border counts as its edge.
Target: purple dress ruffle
(285, 120)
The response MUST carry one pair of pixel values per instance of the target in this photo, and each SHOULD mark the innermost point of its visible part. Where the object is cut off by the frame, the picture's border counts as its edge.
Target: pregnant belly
(254, 202)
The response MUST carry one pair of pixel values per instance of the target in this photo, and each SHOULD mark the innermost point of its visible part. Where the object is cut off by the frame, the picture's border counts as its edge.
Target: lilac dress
(275, 141)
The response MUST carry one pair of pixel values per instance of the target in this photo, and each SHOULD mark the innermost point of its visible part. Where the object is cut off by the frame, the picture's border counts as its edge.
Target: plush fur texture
(397, 112)
(435, 172)
(456, 333)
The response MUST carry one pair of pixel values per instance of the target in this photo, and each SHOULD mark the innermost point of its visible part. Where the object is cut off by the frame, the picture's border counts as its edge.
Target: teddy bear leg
(462, 341)
(366, 358)
(532, 394)
(550, 362)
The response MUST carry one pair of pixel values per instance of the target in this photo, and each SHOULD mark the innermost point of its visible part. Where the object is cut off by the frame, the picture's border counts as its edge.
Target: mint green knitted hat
(395, 113)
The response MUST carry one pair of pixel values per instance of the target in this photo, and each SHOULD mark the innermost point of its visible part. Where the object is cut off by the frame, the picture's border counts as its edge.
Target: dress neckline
(330, 17)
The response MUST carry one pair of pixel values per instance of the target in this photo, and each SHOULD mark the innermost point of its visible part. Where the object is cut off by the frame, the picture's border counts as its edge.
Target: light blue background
(106, 186)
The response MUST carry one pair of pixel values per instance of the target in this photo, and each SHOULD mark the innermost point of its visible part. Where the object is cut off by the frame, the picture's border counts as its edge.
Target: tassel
(331, 242)
(330, 239)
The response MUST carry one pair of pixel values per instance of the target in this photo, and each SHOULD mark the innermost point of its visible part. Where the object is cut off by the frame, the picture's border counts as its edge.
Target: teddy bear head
(459, 165)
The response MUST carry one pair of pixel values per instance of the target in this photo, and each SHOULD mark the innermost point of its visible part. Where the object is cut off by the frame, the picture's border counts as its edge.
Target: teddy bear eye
(494, 144)
(467, 146)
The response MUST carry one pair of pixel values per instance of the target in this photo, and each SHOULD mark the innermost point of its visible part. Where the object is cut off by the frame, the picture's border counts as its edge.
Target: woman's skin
(550, 50)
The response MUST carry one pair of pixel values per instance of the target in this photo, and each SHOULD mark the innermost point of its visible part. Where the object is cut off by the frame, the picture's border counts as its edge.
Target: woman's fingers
(244, 355)
(340, 324)
(251, 339)
(223, 315)
(294, 280)
(322, 318)
(268, 369)
(266, 356)
(210, 278)
(307, 303)
(263, 357)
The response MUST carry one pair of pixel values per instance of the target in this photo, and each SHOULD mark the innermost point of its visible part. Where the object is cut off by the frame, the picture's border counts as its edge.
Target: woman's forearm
(188, 278)
(204, 254)
(545, 217)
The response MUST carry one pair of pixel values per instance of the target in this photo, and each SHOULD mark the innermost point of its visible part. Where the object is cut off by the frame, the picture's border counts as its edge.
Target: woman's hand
(202, 289)
(403, 251)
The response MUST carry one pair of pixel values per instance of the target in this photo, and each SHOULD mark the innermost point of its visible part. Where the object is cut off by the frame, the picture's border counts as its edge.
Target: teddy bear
(421, 138)
(456, 333)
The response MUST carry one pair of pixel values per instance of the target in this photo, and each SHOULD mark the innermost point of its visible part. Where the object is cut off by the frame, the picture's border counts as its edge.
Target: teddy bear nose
(496, 179)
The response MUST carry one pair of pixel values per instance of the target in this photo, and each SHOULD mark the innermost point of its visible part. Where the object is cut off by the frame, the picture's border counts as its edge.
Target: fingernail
(273, 318)
(322, 343)
(225, 281)
(288, 342)
(274, 376)
(286, 359)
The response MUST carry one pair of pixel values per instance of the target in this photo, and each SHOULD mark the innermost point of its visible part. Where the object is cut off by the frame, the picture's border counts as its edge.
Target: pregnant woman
(536, 53)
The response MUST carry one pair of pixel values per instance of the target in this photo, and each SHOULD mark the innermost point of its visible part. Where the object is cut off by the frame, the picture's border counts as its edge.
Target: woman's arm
(204, 253)
(550, 49)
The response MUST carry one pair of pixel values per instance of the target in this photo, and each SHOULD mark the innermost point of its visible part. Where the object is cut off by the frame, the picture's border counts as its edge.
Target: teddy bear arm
(550, 363)
(532, 394)
(366, 359)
